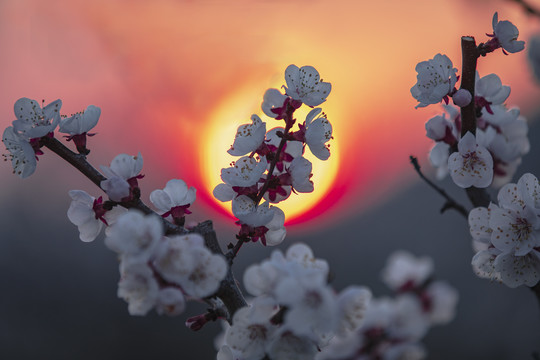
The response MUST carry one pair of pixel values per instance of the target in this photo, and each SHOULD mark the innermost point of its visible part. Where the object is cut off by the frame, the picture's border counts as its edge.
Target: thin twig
(450, 203)
(470, 54)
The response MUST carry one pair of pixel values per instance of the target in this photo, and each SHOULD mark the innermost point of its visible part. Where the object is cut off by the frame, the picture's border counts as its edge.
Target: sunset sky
(175, 78)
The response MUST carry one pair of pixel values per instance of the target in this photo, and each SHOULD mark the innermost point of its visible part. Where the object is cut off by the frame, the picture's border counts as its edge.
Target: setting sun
(236, 110)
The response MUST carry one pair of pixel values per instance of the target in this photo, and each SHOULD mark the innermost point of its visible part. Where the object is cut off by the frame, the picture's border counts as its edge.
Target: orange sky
(161, 71)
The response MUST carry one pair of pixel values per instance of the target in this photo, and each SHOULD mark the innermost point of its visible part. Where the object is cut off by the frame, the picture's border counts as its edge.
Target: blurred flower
(507, 33)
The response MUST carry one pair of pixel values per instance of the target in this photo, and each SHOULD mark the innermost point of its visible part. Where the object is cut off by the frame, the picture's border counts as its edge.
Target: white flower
(246, 172)
(513, 229)
(444, 300)
(499, 115)
(507, 34)
(312, 307)
(300, 170)
(124, 166)
(273, 99)
(23, 157)
(224, 192)
(33, 121)
(438, 128)
(472, 165)
(276, 228)
(116, 188)
(175, 193)
(289, 346)
(402, 269)
(170, 301)
(138, 287)
(436, 79)
(518, 270)
(302, 255)
(438, 157)
(353, 302)
(479, 224)
(490, 87)
(248, 137)
(407, 318)
(251, 329)
(121, 175)
(245, 209)
(81, 122)
(530, 191)
(135, 236)
(318, 133)
(482, 264)
(185, 261)
(305, 84)
(88, 214)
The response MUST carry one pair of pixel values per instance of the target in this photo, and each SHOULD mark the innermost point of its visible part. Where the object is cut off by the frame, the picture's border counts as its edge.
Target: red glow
(160, 69)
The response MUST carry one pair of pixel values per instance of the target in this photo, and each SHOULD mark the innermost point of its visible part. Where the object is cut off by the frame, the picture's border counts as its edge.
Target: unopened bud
(462, 98)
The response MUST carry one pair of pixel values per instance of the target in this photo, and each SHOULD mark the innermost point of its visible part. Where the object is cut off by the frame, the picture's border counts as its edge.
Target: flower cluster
(506, 237)
(272, 166)
(490, 158)
(492, 155)
(294, 312)
(393, 327)
(157, 270)
(23, 140)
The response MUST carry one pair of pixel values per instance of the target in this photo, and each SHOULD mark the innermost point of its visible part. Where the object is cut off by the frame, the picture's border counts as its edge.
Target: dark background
(58, 295)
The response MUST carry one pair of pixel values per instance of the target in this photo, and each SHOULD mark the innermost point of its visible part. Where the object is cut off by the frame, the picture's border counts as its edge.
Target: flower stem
(273, 163)
(450, 203)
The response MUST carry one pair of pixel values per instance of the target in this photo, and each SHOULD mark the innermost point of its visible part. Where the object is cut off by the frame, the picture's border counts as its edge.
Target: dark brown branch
(450, 203)
(78, 161)
(470, 53)
(273, 164)
(468, 78)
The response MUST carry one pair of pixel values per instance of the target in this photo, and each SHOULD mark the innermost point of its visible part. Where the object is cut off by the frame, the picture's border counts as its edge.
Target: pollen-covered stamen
(257, 331)
(471, 159)
(522, 229)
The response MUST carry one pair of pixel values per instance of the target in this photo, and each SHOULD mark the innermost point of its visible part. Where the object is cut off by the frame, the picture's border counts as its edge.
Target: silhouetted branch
(450, 203)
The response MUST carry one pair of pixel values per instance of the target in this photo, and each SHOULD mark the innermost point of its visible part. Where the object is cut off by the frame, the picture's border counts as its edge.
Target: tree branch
(450, 203)
(470, 53)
